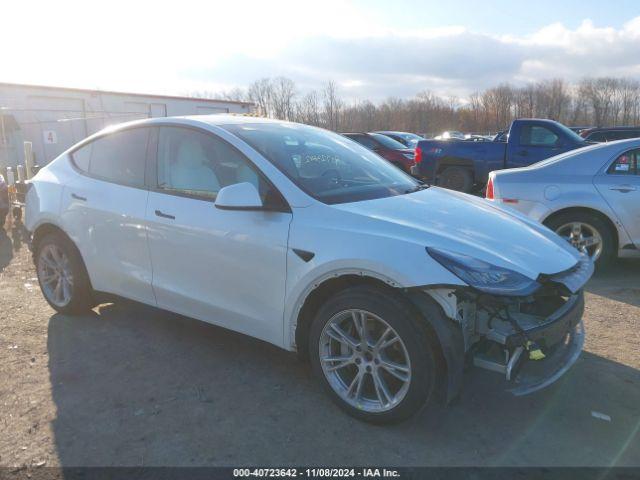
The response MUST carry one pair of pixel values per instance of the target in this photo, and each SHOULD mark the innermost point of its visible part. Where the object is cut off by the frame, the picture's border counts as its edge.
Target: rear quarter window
(625, 164)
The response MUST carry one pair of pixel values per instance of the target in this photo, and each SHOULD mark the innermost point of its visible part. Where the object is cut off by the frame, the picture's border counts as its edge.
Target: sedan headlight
(483, 276)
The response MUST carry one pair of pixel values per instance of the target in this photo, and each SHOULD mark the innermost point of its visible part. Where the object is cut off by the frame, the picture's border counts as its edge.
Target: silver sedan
(590, 196)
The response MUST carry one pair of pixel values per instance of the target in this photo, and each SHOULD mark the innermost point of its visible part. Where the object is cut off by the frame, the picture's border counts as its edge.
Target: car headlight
(483, 276)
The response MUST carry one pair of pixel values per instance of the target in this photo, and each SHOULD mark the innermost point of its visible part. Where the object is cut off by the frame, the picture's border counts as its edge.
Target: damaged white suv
(305, 239)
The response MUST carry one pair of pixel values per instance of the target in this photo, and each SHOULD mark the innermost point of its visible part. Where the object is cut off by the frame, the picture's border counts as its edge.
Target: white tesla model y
(305, 239)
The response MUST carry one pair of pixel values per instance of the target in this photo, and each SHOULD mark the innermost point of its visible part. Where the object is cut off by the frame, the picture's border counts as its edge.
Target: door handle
(78, 197)
(623, 188)
(164, 215)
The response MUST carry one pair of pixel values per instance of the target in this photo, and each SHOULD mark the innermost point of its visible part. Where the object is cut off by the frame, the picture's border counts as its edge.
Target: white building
(54, 118)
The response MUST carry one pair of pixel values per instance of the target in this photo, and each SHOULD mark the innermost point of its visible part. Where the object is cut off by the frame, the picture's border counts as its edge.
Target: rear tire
(456, 178)
(62, 275)
(376, 382)
(592, 226)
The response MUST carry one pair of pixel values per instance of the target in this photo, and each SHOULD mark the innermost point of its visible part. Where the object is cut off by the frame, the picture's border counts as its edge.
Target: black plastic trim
(304, 254)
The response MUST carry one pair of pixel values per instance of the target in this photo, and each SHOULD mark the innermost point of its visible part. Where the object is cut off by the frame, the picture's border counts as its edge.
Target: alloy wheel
(55, 275)
(583, 237)
(365, 361)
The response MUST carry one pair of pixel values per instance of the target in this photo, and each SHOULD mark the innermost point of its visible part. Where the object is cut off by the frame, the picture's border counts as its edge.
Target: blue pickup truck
(465, 166)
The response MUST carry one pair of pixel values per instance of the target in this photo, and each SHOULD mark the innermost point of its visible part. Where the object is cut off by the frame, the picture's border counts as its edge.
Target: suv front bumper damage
(502, 334)
(531, 349)
(537, 375)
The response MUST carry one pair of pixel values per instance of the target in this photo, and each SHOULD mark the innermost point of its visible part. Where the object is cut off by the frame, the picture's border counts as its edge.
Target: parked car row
(589, 196)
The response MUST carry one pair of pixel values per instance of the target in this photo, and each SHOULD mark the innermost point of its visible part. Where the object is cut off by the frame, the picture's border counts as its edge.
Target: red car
(388, 148)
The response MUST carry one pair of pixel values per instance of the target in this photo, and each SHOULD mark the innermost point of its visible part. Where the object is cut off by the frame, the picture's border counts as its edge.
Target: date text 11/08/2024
(316, 472)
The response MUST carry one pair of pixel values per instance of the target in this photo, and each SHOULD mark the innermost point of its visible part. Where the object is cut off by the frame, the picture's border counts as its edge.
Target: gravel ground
(132, 385)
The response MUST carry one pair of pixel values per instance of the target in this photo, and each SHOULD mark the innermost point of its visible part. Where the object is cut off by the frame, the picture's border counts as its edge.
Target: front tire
(62, 275)
(372, 355)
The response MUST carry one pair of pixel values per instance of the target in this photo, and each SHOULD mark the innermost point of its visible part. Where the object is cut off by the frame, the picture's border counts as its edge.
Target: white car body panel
(111, 234)
(221, 266)
(237, 269)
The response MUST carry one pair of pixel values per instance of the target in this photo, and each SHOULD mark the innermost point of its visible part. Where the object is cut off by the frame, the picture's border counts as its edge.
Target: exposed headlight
(483, 276)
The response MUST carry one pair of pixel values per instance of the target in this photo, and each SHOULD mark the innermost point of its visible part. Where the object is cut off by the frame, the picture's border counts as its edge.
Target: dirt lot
(131, 385)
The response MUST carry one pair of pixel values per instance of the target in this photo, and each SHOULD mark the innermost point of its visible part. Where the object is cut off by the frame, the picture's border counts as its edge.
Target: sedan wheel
(583, 236)
(365, 361)
(55, 274)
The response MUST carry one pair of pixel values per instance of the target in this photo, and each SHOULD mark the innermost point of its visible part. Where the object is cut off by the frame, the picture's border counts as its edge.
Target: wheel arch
(319, 292)
(447, 162)
(46, 228)
(43, 229)
(591, 211)
(445, 334)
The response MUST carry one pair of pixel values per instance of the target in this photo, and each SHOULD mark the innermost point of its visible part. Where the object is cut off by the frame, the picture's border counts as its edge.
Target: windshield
(410, 138)
(388, 141)
(327, 166)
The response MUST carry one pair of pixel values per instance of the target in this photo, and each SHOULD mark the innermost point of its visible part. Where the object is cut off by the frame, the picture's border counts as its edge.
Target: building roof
(112, 92)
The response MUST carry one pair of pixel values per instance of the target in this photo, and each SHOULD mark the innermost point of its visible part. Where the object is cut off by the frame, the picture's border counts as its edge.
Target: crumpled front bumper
(560, 336)
(536, 375)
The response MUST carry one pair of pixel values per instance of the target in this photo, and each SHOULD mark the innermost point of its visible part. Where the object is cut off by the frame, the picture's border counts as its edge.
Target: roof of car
(609, 129)
(212, 119)
(226, 119)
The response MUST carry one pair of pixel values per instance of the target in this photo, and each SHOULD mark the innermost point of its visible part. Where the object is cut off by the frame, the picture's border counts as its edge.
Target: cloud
(207, 46)
(449, 61)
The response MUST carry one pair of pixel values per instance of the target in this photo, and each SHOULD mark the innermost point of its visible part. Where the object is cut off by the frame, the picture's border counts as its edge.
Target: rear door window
(537, 136)
(118, 157)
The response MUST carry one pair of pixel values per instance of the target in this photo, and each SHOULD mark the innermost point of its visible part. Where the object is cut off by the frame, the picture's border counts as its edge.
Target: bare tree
(332, 105)
(592, 101)
(261, 93)
(308, 109)
(283, 93)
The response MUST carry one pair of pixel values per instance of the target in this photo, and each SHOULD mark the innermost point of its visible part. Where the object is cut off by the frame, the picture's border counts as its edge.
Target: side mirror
(239, 196)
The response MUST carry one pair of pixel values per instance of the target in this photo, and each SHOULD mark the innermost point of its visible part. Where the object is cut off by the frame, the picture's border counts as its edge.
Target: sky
(372, 49)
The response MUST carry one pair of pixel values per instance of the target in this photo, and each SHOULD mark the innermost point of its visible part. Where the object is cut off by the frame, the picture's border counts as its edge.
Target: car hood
(465, 224)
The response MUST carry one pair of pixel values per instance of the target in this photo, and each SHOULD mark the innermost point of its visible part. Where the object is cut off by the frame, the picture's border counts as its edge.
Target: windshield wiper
(417, 188)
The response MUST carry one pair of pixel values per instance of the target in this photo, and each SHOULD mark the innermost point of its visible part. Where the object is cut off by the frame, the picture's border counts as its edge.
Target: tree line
(602, 101)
